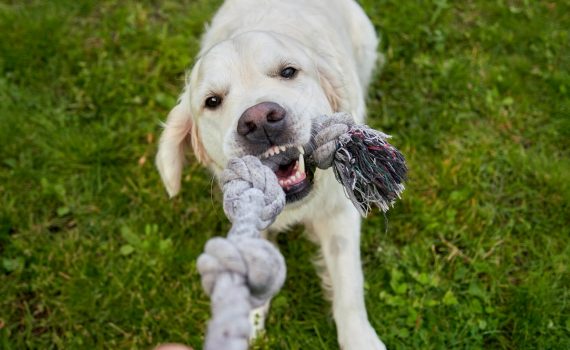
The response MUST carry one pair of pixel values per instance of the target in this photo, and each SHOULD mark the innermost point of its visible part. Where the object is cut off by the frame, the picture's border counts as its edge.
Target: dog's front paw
(360, 337)
(257, 320)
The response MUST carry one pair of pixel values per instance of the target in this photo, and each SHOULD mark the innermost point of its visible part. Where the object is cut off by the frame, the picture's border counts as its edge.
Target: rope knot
(327, 130)
(251, 194)
(255, 262)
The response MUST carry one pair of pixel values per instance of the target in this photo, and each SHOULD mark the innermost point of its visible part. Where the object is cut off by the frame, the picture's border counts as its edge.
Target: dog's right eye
(213, 102)
(288, 72)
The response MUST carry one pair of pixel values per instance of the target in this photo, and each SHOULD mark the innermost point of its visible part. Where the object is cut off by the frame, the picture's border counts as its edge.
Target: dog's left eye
(288, 73)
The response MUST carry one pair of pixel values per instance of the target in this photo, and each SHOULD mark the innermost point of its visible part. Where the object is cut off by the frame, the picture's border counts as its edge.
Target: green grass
(476, 255)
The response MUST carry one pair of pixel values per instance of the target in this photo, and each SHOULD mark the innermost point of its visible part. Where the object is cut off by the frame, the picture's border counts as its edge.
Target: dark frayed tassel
(371, 170)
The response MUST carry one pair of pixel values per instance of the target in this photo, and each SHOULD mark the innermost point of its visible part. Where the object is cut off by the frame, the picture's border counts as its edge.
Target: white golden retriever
(267, 68)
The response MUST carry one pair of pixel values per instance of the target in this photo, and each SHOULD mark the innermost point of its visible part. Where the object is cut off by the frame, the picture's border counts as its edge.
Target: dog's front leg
(257, 320)
(258, 316)
(338, 234)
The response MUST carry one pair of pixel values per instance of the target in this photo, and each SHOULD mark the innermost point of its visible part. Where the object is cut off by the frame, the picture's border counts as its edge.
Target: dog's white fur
(333, 44)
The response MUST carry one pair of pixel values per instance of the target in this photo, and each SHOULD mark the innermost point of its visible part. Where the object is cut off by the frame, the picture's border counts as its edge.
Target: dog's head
(255, 94)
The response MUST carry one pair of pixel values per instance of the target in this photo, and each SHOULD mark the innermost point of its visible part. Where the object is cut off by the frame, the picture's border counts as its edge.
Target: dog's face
(255, 94)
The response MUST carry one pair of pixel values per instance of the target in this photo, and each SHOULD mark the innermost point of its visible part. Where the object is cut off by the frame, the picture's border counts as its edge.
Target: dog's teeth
(282, 148)
(301, 150)
(281, 183)
(301, 163)
(276, 150)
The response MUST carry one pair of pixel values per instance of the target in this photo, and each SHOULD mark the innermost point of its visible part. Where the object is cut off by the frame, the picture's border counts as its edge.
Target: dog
(265, 70)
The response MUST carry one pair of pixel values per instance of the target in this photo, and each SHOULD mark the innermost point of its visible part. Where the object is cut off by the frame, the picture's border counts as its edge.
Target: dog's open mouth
(294, 176)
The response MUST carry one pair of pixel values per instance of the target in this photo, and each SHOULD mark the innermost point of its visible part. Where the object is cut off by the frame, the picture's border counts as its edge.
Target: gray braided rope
(243, 271)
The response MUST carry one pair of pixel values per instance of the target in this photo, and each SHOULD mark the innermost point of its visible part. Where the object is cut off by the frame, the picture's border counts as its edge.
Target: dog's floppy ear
(179, 134)
(331, 82)
(332, 92)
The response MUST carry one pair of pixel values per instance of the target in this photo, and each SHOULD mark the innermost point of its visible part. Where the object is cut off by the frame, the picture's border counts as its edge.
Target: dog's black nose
(262, 123)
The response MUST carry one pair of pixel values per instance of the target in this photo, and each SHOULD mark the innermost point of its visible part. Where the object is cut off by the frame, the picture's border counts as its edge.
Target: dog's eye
(213, 102)
(288, 73)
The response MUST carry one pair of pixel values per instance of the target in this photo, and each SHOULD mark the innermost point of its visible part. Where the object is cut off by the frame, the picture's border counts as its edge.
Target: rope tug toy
(244, 271)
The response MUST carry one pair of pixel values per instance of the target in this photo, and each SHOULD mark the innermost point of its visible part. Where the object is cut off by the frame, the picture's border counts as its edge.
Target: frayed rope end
(371, 170)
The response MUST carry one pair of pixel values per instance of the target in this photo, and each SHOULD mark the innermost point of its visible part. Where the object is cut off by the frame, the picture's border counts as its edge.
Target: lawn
(93, 255)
